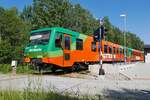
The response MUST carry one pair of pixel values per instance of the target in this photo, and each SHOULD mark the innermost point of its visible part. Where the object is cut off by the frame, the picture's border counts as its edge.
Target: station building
(147, 53)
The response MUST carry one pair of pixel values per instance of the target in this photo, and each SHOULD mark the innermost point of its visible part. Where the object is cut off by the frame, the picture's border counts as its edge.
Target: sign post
(14, 66)
(101, 33)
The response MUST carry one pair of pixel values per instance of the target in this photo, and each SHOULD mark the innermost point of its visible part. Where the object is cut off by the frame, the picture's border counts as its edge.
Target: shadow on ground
(127, 94)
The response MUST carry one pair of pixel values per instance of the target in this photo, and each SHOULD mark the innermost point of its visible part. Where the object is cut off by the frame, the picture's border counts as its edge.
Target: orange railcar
(63, 48)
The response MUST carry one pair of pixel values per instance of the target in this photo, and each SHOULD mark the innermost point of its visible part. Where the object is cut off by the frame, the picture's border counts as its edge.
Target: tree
(13, 35)
(27, 14)
(61, 13)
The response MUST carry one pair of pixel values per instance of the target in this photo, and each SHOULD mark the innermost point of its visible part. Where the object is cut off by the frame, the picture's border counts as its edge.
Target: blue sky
(137, 11)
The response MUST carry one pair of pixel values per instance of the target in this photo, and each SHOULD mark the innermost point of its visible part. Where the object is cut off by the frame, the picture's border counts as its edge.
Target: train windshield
(39, 38)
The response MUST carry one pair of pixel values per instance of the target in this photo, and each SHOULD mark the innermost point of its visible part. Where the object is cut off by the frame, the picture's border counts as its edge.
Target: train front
(38, 47)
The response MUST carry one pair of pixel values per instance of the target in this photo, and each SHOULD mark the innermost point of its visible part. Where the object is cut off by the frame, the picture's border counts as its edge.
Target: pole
(100, 52)
(124, 16)
(101, 71)
(125, 57)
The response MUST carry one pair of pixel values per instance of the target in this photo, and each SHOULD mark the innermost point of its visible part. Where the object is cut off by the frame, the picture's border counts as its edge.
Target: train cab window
(67, 42)
(58, 40)
(110, 50)
(114, 50)
(105, 48)
(93, 46)
(39, 38)
(79, 44)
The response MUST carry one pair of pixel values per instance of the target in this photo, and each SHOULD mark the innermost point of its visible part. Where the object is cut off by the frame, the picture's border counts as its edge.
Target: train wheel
(53, 69)
(86, 66)
(39, 68)
(66, 70)
(77, 67)
(73, 68)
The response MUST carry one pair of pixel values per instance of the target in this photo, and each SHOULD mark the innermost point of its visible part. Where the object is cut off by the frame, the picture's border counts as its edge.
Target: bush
(5, 68)
(24, 69)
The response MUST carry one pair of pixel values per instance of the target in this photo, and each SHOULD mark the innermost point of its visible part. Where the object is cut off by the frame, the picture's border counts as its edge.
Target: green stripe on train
(49, 54)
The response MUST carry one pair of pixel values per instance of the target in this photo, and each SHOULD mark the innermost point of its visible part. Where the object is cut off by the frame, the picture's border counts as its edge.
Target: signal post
(98, 37)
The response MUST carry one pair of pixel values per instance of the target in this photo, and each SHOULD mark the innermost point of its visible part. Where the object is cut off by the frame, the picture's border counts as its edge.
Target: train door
(66, 50)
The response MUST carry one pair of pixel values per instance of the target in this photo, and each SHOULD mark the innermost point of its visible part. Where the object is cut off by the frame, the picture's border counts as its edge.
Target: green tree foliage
(27, 14)
(61, 13)
(13, 34)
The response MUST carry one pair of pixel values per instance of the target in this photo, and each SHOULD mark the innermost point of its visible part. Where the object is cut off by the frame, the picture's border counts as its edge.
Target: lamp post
(125, 21)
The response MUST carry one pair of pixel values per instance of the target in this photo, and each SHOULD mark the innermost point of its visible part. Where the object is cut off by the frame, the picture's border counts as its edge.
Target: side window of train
(105, 48)
(127, 52)
(79, 44)
(93, 46)
(114, 50)
(110, 50)
(58, 40)
(117, 50)
(67, 42)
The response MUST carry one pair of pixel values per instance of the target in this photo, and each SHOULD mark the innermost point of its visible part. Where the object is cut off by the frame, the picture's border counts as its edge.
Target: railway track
(61, 72)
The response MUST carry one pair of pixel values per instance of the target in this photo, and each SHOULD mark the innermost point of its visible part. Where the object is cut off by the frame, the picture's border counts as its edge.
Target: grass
(5, 68)
(30, 95)
(25, 69)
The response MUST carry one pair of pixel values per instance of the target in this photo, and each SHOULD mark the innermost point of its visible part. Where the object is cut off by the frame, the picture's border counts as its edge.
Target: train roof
(60, 29)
